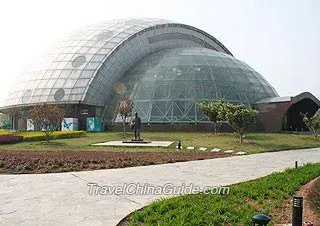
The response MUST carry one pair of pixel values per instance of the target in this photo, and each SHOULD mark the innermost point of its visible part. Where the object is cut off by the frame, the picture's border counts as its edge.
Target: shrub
(124, 108)
(10, 139)
(48, 117)
(313, 123)
(56, 135)
(5, 132)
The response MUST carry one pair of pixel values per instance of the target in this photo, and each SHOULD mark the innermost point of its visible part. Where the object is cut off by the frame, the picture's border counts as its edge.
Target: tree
(313, 123)
(4, 121)
(213, 112)
(48, 117)
(239, 117)
(14, 113)
(125, 108)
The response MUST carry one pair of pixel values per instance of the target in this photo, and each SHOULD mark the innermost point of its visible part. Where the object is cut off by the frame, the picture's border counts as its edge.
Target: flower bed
(10, 139)
(15, 162)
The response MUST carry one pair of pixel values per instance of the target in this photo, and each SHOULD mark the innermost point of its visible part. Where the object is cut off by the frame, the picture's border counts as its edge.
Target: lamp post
(297, 210)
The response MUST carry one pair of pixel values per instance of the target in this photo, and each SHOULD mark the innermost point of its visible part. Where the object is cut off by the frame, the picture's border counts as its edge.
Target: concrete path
(63, 198)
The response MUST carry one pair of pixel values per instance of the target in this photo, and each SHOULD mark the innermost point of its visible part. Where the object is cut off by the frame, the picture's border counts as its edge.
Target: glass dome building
(167, 84)
(165, 67)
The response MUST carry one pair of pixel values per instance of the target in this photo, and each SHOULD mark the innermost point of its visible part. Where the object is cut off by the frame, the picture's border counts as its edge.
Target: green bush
(40, 136)
(5, 132)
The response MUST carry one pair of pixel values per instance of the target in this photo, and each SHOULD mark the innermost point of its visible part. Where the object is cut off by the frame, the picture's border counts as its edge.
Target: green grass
(263, 195)
(254, 142)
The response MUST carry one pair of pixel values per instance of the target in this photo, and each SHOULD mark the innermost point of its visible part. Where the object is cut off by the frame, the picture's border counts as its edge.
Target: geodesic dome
(165, 67)
(84, 66)
(167, 84)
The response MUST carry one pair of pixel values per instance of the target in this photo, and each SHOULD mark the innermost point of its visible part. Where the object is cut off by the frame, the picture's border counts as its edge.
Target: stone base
(136, 144)
(141, 141)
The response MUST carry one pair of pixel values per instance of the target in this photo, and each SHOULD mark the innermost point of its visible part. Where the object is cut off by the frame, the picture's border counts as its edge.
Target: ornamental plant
(124, 109)
(213, 110)
(47, 116)
(239, 117)
(313, 123)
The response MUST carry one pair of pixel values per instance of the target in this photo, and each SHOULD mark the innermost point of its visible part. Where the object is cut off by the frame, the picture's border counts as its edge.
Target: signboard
(30, 126)
(94, 124)
(69, 124)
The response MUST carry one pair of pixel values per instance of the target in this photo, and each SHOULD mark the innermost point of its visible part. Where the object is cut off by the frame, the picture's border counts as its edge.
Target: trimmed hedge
(10, 139)
(4, 132)
(40, 136)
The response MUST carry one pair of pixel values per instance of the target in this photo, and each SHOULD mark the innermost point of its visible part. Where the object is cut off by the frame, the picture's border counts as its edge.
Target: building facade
(164, 67)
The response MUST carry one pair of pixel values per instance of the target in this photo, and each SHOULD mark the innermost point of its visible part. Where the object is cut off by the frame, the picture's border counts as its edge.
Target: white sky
(278, 38)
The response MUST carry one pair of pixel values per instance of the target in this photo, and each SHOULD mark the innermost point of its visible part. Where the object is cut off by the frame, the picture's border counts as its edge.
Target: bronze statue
(137, 126)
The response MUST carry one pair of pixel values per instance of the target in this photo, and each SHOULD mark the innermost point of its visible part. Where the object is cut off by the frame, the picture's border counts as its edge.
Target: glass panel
(174, 80)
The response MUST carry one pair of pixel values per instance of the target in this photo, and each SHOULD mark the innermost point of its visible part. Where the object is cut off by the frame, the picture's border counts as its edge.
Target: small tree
(313, 123)
(213, 112)
(14, 113)
(4, 121)
(125, 108)
(48, 117)
(239, 117)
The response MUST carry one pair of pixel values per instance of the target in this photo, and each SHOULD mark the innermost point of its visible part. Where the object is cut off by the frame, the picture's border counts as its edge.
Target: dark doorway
(292, 120)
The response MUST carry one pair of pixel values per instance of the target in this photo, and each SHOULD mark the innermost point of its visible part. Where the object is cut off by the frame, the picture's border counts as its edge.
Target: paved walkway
(63, 198)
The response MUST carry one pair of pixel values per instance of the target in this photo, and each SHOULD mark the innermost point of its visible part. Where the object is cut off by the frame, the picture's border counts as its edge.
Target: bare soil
(284, 216)
(18, 162)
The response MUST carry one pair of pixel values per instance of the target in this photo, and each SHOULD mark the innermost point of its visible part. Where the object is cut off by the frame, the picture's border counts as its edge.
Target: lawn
(265, 195)
(253, 143)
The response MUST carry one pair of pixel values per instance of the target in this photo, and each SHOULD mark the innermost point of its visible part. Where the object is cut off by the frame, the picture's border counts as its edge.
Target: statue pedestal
(141, 141)
(137, 144)
(137, 139)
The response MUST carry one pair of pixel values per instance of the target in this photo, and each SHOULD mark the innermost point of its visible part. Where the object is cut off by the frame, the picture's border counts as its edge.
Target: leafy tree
(48, 117)
(213, 112)
(125, 108)
(14, 113)
(313, 123)
(239, 117)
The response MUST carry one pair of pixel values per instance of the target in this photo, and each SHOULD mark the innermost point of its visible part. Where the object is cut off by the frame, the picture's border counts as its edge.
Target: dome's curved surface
(166, 85)
(84, 66)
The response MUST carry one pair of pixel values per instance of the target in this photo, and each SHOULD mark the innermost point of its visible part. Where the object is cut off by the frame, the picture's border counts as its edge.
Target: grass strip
(263, 195)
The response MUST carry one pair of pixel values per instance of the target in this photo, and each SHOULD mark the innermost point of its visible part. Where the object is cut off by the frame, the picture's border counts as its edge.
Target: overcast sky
(278, 38)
